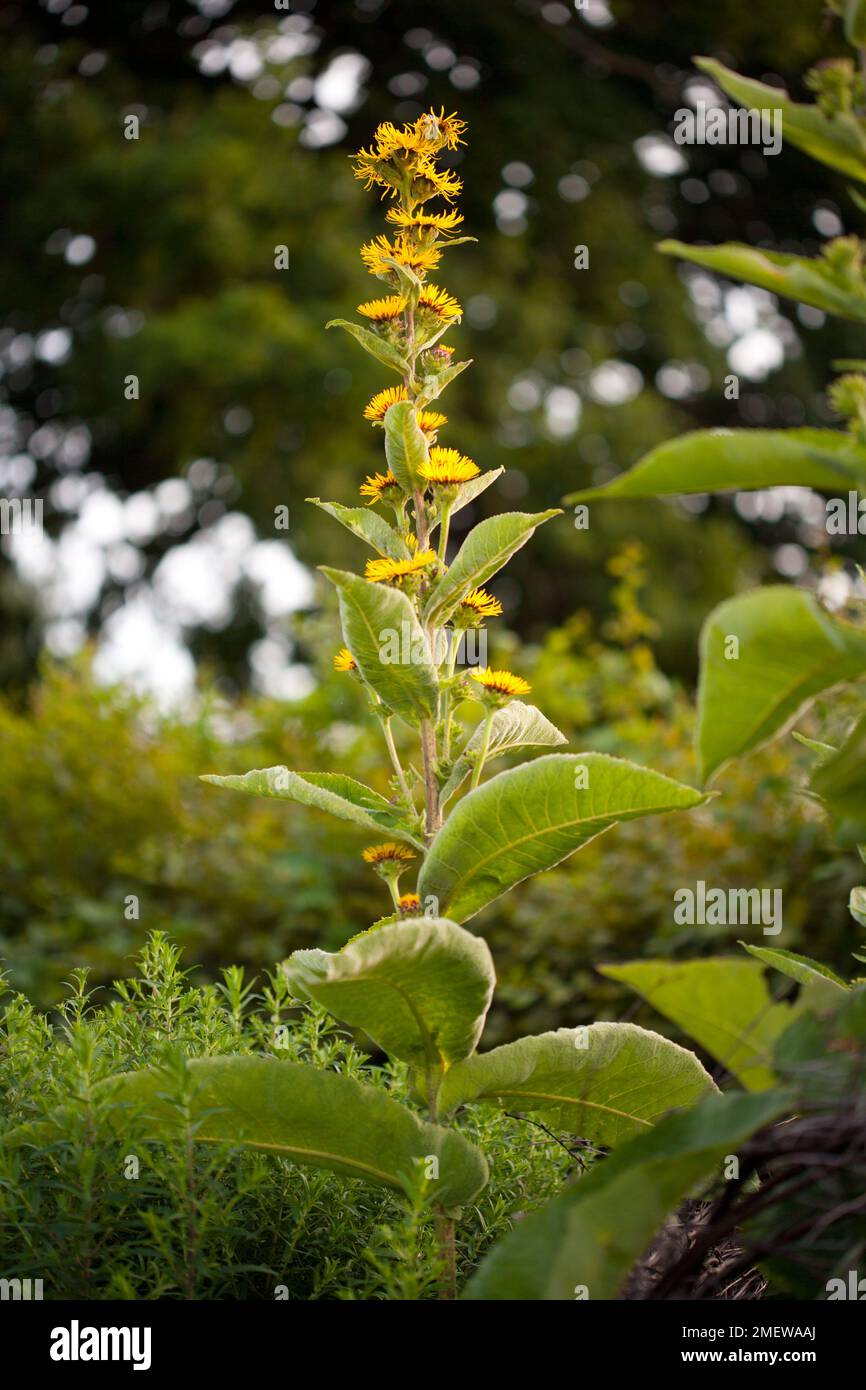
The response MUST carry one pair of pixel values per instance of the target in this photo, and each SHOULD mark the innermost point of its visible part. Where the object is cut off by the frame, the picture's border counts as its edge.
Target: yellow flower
(383, 310)
(502, 683)
(344, 660)
(409, 902)
(448, 467)
(378, 253)
(481, 604)
(442, 222)
(387, 571)
(442, 181)
(430, 420)
(379, 854)
(378, 485)
(439, 302)
(381, 403)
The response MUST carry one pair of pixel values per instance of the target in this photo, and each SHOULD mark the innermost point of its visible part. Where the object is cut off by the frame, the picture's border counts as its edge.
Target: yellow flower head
(381, 403)
(378, 254)
(478, 603)
(437, 181)
(344, 660)
(387, 571)
(501, 683)
(383, 310)
(381, 487)
(448, 467)
(390, 852)
(440, 222)
(430, 420)
(409, 903)
(439, 302)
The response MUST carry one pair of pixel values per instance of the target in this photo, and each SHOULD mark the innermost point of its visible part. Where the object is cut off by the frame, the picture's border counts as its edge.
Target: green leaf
(516, 726)
(819, 281)
(529, 818)
(855, 22)
(419, 988)
(723, 1003)
(435, 382)
(372, 528)
(838, 141)
(727, 460)
(405, 445)
(486, 549)
(474, 488)
(377, 347)
(301, 1113)
(789, 650)
(840, 781)
(333, 792)
(382, 632)
(605, 1082)
(590, 1236)
(799, 968)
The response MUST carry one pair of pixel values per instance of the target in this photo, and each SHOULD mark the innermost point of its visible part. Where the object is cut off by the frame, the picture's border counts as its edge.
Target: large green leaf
(370, 342)
(605, 1082)
(474, 488)
(333, 792)
(385, 638)
(723, 460)
(723, 1003)
(486, 549)
(840, 781)
(529, 818)
(838, 141)
(369, 526)
(299, 1112)
(405, 445)
(787, 651)
(516, 726)
(419, 988)
(832, 281)
(586, 1241)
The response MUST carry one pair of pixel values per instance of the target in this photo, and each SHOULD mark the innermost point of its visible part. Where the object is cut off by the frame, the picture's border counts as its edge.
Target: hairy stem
(395, 758)
(447, 1254)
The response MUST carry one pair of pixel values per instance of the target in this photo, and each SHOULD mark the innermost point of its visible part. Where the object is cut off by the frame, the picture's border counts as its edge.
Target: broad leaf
(584, 1244)
(486, 549)
(369, 526)
(799, 968)
(838, 141)
(405, 445)
(299, 1112)
(474, 488)
(529, 818)
(764, 656)
(377, 347)
(385, 638)
(419, 988)
(819, 281)
(333, 792)
(434, 384)
(840, 782)
(516, 726)
(724, 460)
(605, 1082)
(722, 1003)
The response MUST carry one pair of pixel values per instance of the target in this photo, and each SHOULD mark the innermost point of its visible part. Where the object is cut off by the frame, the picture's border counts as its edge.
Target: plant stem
(395, 758)
(479, 766)
(447, 1253)
(444, 526)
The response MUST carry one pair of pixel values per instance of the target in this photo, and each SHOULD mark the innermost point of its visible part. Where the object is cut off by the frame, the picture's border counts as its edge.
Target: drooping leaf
(384, 636)
(434, 383)
(333, 792)
(474, 488)
(585, 1242)
(419, 988)
(605, 1082)
(727, 460)
(377, 347)
(840, 782)
(516, 726)
(369, 526)
(799, 968)
(300, 1112)
(838, 141)
(722, 1002)
(818, 280)
(486, 549)
(787, 650)
(405, 445)
(529, 818)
